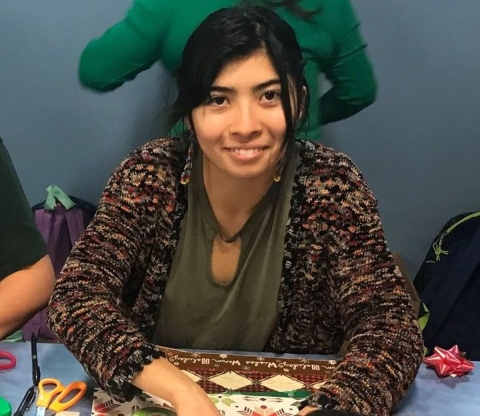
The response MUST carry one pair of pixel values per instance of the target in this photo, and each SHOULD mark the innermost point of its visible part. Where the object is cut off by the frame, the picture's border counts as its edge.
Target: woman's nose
(246, 121)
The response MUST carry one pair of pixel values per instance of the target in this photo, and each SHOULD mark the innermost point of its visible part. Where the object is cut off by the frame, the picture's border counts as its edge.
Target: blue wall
(418, 145)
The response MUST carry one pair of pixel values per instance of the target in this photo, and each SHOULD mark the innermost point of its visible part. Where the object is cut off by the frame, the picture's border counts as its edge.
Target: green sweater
(158, 30)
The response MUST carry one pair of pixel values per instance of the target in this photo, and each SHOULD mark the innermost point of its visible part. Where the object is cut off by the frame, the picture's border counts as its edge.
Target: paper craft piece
(67, 413)
(449, 362)
(237, 385)
(219, 373)
(227, 404)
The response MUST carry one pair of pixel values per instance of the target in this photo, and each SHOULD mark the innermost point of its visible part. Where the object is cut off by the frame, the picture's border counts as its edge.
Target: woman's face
(241, 127)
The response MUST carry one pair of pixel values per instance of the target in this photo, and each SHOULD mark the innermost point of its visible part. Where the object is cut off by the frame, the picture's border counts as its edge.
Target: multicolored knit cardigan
(339, 280)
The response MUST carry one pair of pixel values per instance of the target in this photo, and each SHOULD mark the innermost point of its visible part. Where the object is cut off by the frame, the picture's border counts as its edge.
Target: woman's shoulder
(155, 161)
(321, 161)
(331, 174)
(330, 182)
(161, 151)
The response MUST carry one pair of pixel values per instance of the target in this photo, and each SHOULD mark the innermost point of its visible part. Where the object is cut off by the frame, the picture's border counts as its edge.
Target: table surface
(429, 395)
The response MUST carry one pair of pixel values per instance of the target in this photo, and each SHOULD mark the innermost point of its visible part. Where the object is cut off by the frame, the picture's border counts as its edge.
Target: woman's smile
(246, 155)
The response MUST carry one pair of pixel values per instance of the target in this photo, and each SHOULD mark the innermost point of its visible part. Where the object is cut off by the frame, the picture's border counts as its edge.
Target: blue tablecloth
(429, 395)
(55, 361)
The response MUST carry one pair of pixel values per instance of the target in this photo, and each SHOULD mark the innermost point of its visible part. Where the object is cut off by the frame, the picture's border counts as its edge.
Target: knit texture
(339, 279)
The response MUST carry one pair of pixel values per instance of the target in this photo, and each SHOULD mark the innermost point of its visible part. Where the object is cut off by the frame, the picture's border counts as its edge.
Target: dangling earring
(187, 170)
(278, 176)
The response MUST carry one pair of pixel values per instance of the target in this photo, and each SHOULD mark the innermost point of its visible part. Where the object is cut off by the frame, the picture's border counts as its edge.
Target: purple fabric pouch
(61, 220)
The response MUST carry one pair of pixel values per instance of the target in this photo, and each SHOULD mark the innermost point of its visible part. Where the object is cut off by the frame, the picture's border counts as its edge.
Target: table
(429, 395)
(54, 361)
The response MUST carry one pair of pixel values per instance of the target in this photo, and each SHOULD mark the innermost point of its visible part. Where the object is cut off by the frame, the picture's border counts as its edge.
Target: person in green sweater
(157, 30)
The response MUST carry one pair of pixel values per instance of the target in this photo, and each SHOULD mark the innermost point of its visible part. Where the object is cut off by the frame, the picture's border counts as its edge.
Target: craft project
(227, 404)
(236, 384)
(219, 373)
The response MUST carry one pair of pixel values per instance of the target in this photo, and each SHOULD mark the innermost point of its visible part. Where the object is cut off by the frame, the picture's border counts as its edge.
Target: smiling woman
(238, 236)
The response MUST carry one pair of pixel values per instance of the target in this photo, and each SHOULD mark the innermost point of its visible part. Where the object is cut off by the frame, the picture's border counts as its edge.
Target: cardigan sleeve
(87, 309)
(127, 48)
(349, 69)
(376, 312)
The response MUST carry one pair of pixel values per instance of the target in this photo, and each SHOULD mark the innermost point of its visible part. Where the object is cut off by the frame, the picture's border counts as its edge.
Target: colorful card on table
(218, 373)
(227, 404)
(237, 384)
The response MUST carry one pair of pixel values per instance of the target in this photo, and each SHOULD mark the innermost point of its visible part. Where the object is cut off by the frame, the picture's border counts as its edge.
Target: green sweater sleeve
(350, 72)
(127, 48)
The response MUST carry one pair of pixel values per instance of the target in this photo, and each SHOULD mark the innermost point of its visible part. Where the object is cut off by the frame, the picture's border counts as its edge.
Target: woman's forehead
(251, 70)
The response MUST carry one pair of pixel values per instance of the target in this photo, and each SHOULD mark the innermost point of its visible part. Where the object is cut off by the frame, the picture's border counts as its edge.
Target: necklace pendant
(230, 240)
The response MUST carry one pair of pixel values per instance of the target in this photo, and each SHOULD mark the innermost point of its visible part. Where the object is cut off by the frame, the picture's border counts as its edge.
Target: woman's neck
(233, 200)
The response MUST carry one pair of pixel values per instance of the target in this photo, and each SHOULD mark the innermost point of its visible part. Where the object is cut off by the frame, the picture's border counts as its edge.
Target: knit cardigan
(339, 279)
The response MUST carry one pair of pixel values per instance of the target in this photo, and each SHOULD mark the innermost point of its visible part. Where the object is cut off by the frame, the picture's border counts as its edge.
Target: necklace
(232, 239)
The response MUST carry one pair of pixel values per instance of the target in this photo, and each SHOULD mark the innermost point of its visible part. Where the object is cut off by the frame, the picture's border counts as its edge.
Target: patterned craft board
(219, 373)
(227, 404)
(231, 381)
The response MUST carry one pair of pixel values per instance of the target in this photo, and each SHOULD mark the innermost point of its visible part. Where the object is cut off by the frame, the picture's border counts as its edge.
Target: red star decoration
(449, 362)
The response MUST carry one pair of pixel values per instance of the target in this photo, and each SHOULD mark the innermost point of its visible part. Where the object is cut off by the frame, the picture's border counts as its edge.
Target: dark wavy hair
(234, 33)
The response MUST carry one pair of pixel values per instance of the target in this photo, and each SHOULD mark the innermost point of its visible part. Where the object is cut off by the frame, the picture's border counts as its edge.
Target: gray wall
(417, 145)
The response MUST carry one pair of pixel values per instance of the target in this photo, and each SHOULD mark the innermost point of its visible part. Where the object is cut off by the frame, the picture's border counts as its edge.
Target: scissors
(47, 400)
(10, 363)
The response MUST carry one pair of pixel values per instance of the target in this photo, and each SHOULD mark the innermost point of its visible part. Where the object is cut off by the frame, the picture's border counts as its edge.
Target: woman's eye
(271, 95)
(218, 100)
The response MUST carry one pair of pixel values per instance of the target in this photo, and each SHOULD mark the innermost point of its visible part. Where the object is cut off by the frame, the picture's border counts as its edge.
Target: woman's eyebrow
(256, 88)
(266, 84)
(218, 88)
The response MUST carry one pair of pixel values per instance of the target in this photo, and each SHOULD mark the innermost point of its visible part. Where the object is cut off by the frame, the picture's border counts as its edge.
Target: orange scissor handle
(46, 397)
(59, 404)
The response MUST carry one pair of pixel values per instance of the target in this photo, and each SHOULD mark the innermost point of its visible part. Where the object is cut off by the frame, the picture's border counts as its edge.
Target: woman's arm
(127, 48)
(87, 309)
(163, 379)
(23, 293)
(367, 288)
(86, 305)
(349, 70)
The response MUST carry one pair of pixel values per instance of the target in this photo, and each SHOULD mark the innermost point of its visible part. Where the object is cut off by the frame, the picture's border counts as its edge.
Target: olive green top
(21, 244)
(157, 30)
(197, 311)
